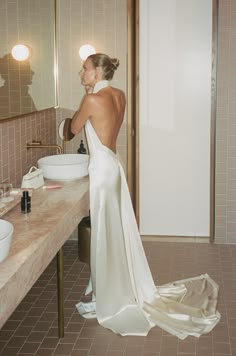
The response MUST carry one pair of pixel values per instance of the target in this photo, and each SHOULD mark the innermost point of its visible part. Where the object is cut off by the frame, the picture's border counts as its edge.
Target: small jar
(25, 202)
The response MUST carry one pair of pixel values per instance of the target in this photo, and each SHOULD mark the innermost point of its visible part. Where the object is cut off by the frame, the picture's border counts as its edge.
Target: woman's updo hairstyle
(108, 65)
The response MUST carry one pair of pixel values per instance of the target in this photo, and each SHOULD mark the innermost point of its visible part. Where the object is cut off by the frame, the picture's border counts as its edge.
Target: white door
(175, 113)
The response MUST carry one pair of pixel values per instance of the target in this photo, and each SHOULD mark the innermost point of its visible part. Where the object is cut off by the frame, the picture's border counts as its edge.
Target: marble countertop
(37, 238)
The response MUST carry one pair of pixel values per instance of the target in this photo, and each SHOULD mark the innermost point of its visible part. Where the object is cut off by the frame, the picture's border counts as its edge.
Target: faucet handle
(36, 143)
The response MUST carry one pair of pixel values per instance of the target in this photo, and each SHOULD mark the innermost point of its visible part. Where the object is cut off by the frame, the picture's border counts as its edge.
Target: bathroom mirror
(27, 86)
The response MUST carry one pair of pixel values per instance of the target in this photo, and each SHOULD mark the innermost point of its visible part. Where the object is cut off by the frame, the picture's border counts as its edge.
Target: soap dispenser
(81, 148)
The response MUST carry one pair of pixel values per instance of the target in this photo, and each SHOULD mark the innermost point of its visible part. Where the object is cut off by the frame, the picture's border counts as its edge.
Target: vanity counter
(38, 236)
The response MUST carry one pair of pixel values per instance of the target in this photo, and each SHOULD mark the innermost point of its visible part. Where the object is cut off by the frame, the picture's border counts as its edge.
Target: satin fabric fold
(127, 300)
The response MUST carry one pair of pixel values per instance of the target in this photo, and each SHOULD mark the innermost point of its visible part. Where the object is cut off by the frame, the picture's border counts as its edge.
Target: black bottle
(82, 149)
(25, 202)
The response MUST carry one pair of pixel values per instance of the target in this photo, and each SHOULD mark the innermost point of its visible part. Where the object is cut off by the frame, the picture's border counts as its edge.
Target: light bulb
(20, 52)
(85, 51)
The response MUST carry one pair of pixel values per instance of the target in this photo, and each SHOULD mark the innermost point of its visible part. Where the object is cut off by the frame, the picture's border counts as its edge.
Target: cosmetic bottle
(82, 149)
(25, 202)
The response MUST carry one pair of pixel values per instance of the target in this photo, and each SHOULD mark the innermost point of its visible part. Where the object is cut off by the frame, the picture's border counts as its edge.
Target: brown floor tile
(69, 310)
(98, 350)
(32, 329)
(2, 345)
(135, 341)
(152, 346)
(36, 336)
(87, 332)
(168, 352)
(49, 342)
(36, 311)
(103, 339)
(9, 351)
(69, 338)
(42, 326)
(115, 353)
(51, 308)
(63, 349)
(83, 344)
(23, 331)
(118, 344)
(48, 316)
(81, 353)
(29, 348)
(186, 347)
(16, 341)
(29, 321)
(74, 327)
(18, 315)
(134, 350)
(5, 335)
(52, 332)
(11, 325)
(169, 342)
(204, 352)
(222, 348)
(45, 352)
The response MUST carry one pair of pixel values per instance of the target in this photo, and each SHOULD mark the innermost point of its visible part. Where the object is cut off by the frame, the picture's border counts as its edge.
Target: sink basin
(6, 232)
(64, 166)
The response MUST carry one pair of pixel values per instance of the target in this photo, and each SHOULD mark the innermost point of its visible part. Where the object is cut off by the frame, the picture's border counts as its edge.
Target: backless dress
(127, 300)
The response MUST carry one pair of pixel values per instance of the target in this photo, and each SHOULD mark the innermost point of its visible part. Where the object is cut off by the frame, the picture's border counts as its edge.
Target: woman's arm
(83, 114)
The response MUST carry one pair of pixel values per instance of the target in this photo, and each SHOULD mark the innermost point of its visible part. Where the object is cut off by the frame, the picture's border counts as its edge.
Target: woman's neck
(100, 85)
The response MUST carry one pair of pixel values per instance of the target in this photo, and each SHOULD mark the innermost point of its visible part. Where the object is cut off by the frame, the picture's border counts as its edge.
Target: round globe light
(85, 51)
(20, 52)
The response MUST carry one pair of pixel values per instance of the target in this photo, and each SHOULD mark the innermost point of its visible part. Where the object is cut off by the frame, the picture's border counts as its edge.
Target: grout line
(187, 239)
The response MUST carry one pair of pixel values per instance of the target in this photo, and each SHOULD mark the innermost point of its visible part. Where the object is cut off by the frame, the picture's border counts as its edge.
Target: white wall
(175, 104)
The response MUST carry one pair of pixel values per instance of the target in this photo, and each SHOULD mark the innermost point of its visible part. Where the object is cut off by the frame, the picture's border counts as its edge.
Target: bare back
(108, 114)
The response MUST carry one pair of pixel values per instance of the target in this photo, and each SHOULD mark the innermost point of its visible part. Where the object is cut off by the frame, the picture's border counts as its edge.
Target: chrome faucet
(39, 144)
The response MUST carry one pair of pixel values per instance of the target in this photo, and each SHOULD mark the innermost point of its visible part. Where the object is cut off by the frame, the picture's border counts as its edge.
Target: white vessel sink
(6, 232)
(64, 166)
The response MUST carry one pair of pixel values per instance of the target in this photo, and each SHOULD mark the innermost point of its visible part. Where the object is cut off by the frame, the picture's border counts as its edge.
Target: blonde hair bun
(115, 62)
(108, 64)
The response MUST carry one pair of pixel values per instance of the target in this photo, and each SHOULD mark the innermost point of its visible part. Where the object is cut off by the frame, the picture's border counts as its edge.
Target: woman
(125, 298)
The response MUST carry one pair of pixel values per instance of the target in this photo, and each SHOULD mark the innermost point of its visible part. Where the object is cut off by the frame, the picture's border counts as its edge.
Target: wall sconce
(20, 52)
(85, 51)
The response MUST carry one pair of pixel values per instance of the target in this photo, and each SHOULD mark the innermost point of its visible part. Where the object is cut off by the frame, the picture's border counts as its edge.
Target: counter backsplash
(15, 159)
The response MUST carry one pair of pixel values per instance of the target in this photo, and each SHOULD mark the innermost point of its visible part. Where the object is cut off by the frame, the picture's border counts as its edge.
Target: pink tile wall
(15, 159)
(225, 204)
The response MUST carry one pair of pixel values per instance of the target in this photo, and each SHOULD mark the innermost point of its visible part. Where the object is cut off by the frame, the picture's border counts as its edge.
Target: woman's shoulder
(118, 91)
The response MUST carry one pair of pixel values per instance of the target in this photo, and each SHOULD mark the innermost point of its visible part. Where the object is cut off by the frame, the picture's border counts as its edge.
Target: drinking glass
(7, 188)
(1, 196)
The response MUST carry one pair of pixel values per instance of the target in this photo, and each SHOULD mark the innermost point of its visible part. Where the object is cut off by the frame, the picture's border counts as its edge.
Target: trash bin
(84, 230)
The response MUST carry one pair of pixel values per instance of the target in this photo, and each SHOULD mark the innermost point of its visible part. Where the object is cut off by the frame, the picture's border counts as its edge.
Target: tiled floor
(32, 328)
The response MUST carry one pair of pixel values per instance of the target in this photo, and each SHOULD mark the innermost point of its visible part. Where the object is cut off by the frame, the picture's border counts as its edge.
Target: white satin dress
(127, 300)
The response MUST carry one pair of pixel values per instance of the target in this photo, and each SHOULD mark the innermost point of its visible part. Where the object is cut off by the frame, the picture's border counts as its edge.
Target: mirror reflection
(15, 96)
(26, 85)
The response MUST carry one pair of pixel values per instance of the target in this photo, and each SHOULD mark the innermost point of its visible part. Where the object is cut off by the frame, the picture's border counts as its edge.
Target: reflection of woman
(125, 298)
(14, 94)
